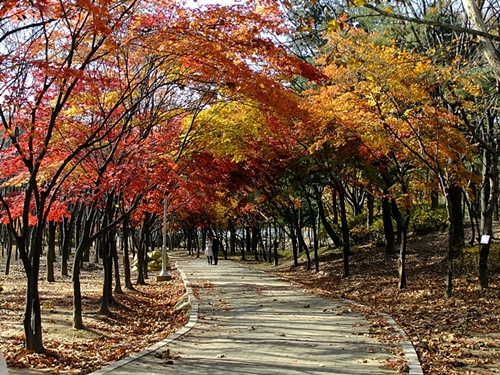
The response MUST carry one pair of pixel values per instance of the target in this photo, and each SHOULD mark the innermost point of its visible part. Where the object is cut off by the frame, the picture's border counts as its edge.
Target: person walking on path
(209, 251)
(215, 250)
(245, 321)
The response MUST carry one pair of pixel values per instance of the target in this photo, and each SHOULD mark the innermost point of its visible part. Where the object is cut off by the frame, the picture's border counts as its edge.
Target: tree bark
(490, 177)
(126, 260)
(458, 225)
(449, 258)
(489, 51)
(345, 229)
(114, 254)
(32, 320)
(326, 224)
(402, 253)
(390, 238)
(51, 251)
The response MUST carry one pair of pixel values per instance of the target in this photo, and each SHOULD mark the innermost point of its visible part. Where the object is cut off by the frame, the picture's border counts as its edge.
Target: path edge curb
(415, 367)
(193, 319)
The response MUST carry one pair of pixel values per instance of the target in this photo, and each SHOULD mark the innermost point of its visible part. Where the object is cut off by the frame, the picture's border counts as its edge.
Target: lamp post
(164, 276)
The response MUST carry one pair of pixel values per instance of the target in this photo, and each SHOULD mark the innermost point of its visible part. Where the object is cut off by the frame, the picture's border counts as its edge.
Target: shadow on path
(248, 322)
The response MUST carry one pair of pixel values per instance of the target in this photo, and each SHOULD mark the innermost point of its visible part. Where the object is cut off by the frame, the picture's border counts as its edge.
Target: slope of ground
(458, 335)
(138, 319)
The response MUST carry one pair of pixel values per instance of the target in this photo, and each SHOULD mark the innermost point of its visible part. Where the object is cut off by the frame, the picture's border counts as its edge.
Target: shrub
(425, 221)
(469, 257)
(377, 232)
(358, 221)
(360, 235)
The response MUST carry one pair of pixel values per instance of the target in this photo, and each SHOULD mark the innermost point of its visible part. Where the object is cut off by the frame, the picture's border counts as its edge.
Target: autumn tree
(51, 55)
(392, 94)
(468, 30)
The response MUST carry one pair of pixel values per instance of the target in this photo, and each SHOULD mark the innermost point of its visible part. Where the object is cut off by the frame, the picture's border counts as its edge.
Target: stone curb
(193, 319)
(408, 348)
(3, 365)
(414, 365)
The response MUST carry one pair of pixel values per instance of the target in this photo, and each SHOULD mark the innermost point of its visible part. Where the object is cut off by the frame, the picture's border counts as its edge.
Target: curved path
(245, 321)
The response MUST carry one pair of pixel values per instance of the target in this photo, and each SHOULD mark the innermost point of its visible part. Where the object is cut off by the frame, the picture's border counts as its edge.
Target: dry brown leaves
(458, 335)
(138, 319)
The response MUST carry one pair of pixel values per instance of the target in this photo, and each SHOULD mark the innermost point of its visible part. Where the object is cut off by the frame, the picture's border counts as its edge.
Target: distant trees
(110, 110)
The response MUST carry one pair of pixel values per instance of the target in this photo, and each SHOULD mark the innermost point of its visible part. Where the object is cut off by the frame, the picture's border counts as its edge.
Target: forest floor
(458, 335)
(138, 319)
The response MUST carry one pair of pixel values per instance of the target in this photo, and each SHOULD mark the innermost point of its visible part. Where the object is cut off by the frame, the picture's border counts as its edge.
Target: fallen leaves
(138, 319)
(452, 336)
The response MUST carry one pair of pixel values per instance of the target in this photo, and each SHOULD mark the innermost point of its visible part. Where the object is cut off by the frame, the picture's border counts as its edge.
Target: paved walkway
(247, 322)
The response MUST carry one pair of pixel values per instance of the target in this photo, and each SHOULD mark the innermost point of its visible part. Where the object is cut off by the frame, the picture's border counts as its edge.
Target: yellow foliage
(359, 3)
(333, 25)
(228, 128)
(386, 98)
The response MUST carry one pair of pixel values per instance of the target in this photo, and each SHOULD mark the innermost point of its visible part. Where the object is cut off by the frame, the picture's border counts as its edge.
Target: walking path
(247, 322)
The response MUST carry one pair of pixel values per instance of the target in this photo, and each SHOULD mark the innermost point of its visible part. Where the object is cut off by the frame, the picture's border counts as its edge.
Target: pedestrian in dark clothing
(215, 250)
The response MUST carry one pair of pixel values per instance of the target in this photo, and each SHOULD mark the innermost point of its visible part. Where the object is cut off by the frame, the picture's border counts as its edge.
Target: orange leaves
(456, 336)
(138, 320)
(382, 101)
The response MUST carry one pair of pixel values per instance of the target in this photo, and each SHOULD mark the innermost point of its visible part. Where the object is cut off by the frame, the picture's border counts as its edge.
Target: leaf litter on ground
(452, 336)
(138, 319)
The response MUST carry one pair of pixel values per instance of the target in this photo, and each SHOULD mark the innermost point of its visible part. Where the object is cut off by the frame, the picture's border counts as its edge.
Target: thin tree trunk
(402, 253)
(126, 260)
(345, 230)
(32, 320)
(51, 251)
(390, 238)
(326, 224)
(114, 254)
(449, 259)
(82, 248)
(9, 252)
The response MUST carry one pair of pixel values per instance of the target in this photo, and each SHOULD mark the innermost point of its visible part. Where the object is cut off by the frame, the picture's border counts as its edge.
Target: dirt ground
(138, 319)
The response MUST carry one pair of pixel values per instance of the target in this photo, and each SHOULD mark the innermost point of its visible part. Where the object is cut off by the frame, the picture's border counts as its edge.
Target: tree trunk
(458, 225)
(449, 259)
(126, 260)
(402, 253)
(107, 287)
(232, 238)
(304, 246)
(345, 229)
(9, 252)
(326, 224)
(66, 245)
(434, 200)
(488, 203)
(51, 251)
(82, 248)
(293, 238)
(370, 203)
(390, 238)
(141, 258)
(255, 241)
(396, 214)
(247, 245)
(315, 232)
(32, 320)
(114, 254)
(478, 23)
